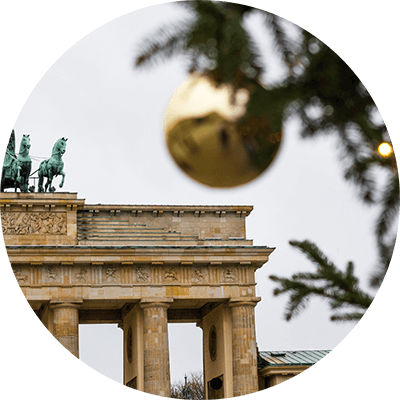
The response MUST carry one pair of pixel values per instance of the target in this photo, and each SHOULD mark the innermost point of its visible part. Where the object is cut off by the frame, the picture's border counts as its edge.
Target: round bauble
(213, 134)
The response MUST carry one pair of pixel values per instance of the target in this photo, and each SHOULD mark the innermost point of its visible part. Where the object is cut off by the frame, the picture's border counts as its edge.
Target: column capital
(65, 304)
(155, 302)
(241, 302)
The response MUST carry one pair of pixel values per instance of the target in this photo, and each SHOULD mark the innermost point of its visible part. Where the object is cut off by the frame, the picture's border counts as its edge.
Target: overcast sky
(112, 116)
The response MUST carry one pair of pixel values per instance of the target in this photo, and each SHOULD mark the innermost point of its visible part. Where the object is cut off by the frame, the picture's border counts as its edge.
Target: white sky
(112, 116)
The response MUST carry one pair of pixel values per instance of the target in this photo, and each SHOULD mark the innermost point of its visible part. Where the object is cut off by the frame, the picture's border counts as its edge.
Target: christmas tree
(317, 86)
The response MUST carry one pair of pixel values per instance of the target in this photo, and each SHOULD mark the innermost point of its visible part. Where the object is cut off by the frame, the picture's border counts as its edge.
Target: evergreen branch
(318, 80)
(390, 207)
(168, 41)
(385, 255)
(282, 45)
(360, 174)
(216, 36)
(328, 282)
(349, 317)
(390, 202)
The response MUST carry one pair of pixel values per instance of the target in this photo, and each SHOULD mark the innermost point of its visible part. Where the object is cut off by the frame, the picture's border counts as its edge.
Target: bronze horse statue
(17, 169)
(53, 166)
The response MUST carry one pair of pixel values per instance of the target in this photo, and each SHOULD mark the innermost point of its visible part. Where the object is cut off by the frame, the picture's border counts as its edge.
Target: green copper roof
(290, 357)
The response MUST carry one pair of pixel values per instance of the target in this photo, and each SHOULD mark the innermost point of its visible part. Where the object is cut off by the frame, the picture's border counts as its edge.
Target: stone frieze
(34, 223)
(122, 275)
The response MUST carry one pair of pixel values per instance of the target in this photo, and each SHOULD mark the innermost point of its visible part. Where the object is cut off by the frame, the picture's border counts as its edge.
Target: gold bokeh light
(385, 149)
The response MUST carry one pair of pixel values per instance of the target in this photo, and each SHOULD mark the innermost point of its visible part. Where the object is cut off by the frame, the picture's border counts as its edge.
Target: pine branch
(168, 41)
(339, 288)
(216, 43)
(390, 207)
(359, 173)
(385, 255)
(329, 99)
(349, 317)
(385, 230)
(214, 40)
(282, 45)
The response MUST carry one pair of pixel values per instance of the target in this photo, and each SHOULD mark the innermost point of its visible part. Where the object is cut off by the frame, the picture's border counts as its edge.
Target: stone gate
(141, 266)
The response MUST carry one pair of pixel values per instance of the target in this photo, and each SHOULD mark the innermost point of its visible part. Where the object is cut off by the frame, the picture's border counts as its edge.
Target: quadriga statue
(17, 169)
(53, 166)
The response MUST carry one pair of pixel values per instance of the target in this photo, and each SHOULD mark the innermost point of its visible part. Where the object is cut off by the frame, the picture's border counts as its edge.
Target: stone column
(66, 325)
(244, 347)
(156, 352)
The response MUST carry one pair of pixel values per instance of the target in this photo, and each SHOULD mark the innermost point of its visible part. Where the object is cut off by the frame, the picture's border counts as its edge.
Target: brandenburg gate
(142, 267)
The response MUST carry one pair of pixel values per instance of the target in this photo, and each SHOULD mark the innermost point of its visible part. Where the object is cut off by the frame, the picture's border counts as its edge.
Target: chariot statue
(53, 166)
(17, 168)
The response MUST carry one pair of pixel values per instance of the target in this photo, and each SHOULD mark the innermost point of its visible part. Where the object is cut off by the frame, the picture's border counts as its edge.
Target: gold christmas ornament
(212, 136)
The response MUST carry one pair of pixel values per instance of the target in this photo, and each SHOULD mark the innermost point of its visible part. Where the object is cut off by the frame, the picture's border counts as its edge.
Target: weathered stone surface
(42, 223)
(66, 325)
(140, 267)
(156, 353)
(39, 218)
(244, 351)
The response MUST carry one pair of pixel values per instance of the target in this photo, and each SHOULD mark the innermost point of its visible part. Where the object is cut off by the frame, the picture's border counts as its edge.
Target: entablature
(254, 256)
(16, 201)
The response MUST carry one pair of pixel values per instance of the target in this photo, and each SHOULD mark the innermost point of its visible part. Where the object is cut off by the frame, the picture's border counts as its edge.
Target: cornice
(282, 370)
(245, 256)
(169, 208)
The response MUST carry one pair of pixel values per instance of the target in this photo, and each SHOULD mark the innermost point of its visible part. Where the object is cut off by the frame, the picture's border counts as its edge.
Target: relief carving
(229, 275)
(51, 274)
(110, 275)
(39, 223)
(81, 275)
(199, 275)
(20, 276)
(170, 275)
(212, 343)
(141, 275)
